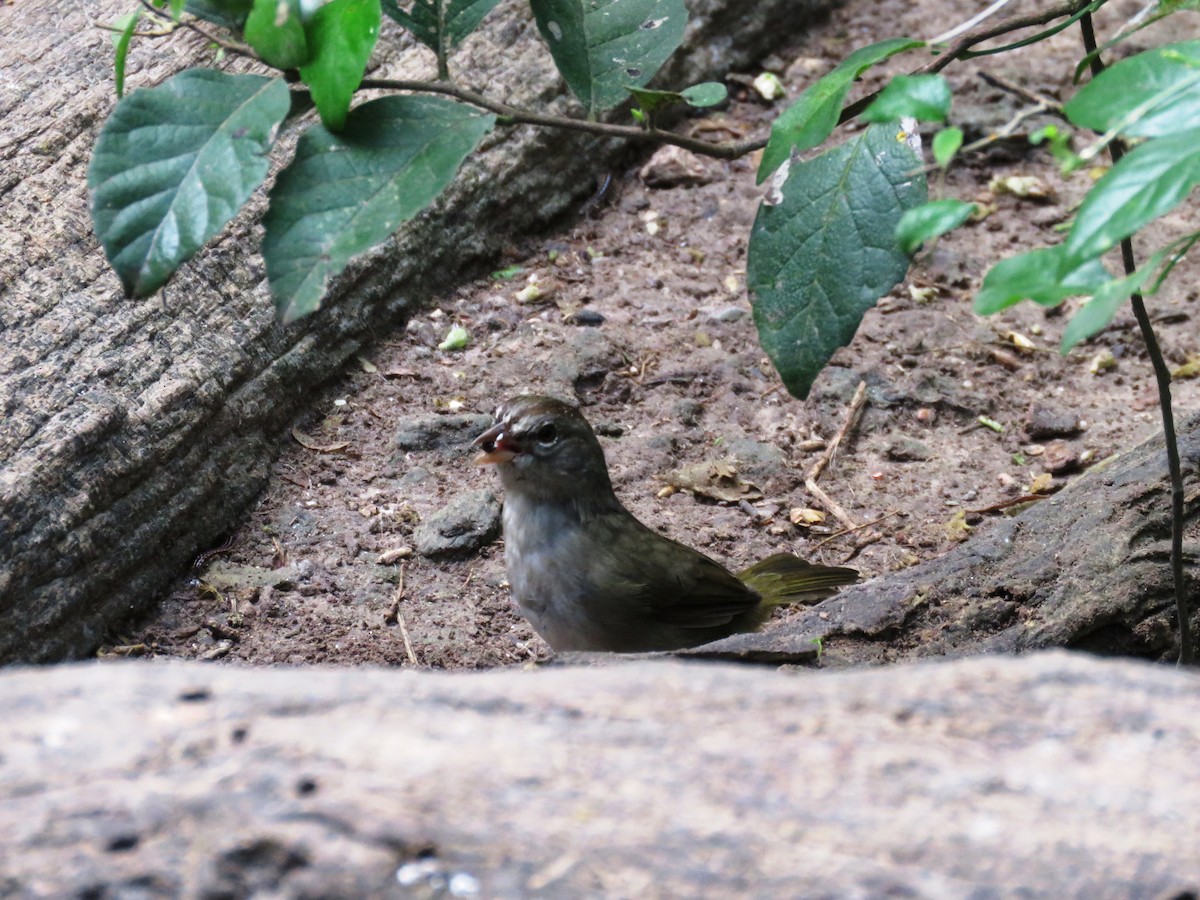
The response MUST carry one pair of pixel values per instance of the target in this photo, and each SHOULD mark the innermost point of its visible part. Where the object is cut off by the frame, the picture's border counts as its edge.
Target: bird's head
(543, 446)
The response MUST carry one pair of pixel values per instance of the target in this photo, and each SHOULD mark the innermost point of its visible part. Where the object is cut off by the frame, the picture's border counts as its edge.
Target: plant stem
(961, 47)
(729, 150)
(443, 42)
(1163, 377)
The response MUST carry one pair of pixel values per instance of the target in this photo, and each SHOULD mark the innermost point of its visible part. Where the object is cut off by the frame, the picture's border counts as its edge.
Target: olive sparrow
(588, 575)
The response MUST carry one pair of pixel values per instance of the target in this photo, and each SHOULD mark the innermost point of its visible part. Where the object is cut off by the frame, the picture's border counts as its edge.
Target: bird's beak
(495, 446)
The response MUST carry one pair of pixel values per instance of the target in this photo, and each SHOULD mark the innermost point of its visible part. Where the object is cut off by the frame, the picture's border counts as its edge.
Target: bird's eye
(547, 434)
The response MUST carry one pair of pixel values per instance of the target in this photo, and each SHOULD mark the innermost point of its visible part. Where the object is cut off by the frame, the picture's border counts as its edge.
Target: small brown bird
(589, 576)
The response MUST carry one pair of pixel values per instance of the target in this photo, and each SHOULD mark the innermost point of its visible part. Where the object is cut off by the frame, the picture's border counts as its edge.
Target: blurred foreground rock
(1046, 776)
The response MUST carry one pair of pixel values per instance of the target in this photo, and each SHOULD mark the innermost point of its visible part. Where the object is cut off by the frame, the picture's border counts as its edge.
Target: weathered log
(1088, 568)
(1046, 776)
(135, 432)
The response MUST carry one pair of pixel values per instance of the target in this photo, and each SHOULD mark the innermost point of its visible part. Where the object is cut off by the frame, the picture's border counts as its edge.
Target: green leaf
(276, 33)
(925, 98)
(1058, 140)
(457, 338)
(1153, 94)
(461, 18)
(814, 115)
(649, 101)
(604, 47)
(229, 14)
(1149, 181)
(345, 193)
(1033, 275)
(925, 222)
(823, 256)
(341, 35)
(945, 145)
(708, 93)
(174, 163)
(128, 24)
(1094, 316)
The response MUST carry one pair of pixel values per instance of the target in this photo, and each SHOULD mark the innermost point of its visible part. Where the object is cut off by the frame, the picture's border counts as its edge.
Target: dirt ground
(643, 318)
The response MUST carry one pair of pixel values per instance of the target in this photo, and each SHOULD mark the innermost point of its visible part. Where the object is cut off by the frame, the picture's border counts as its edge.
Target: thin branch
(810, 478)
(1163, 377)
(226, 44)
(1046, 103)
(730, 150)
(960, 47)
(970, 23)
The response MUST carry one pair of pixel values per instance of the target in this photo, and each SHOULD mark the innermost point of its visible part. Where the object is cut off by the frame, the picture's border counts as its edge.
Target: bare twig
(636, 133)
(970, 23)
(845, 531)
(1011, 501)
(1163, 377)
(227, 44)
(810, 478)
(1047, 104)
(963, 45)
(395, 615)
(729, 150)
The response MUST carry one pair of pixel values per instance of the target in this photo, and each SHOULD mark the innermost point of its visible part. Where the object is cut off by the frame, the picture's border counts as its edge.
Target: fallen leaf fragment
(672, 166)
(957, 528)
(1019, 341)
(1041, 484)
(769, 87)
(715, 479)
(457, 338)
(1101, 362)
(804, 517)
(1189, 369)
(1025, 186)
(310, 443)
(394, 555)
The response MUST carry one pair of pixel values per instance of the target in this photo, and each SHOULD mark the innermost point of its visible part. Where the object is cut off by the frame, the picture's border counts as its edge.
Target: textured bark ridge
(135, 432)
(1088, 568)
(1047, 776)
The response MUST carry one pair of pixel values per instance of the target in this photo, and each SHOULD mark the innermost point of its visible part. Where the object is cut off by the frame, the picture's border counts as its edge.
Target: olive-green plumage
(589, 576)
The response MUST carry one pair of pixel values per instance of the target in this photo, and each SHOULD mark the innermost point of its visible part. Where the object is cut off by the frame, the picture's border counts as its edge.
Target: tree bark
(1088, 568)
(136, 432)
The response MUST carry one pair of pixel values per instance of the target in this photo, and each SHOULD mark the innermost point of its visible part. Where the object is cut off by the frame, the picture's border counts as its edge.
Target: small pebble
(1048, 422)
(468, 522)
(585, 318)
(731, 313)
(1060, 457)
(903, 448)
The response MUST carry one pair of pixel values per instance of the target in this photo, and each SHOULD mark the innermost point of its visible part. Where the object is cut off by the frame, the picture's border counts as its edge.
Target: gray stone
(1059, 457)
(1051, 775)
(903, 448)
(1048, 422)
(688, 411)
(467, 523)
(756, 459)
(437, 432)
(733, 313)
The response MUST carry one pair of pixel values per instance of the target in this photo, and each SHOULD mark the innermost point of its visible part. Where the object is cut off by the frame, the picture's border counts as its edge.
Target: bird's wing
(669, 583)
(783, 578)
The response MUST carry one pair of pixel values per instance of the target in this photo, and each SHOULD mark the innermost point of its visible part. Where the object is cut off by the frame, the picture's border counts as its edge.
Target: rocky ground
(378, 542)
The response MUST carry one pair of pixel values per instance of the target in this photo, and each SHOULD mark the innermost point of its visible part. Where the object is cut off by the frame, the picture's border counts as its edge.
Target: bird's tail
(784, 578)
